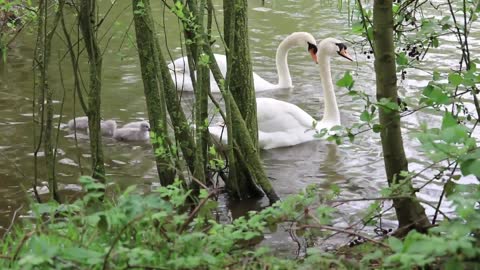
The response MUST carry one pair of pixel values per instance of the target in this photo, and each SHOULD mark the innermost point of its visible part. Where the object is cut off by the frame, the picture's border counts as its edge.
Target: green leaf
(435, 42)
(402, 59)
(351, 137)
(455, 79)
(204, 59)
(357, 28)
(435, 94)
(448, 120)
(456, 134)
(365, 116)
(346, 81)
(470, 166)
(449, 188)
(388, 105)
(436, 75)
(395, 244)
(82, 255)
(377, 128)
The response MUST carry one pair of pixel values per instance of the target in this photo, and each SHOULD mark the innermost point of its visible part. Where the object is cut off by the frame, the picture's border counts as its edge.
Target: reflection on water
(357, 168)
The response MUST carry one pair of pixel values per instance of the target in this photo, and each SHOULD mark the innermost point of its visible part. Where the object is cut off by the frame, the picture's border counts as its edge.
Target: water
(357, 168)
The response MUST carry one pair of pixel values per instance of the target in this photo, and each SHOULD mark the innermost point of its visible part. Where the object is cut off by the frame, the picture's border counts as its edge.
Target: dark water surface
(357, 168)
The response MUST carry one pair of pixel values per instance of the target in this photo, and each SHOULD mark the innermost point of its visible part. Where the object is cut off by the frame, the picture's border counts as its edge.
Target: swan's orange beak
(313, 55)
(345, 54)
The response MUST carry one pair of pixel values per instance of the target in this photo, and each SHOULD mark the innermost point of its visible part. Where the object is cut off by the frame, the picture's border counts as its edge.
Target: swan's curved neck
(331, 113)
(284, 79)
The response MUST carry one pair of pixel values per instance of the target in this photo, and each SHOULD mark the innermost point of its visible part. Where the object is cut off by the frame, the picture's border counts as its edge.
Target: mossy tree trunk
(153, 89)
(180, 124)
(45, 99)
(409, 212)
(181, 127)
(88, 26)
(245, 168)
(194, 31)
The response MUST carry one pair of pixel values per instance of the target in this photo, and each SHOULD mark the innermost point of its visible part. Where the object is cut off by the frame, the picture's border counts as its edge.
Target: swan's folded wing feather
(279, 116)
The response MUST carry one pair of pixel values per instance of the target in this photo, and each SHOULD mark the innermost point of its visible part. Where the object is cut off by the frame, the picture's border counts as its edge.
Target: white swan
(107, 127)
(140, 133)
(283, 124)
(180, 71)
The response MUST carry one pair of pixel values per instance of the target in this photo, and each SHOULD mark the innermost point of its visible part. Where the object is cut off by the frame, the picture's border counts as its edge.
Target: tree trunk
(153, 89)
(181, 127)
(410, 213)
(42, 57)
(201, 85)
(241, 108)
(87, 21)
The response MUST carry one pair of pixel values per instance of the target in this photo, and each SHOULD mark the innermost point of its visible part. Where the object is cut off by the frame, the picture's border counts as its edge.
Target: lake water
(357, 168)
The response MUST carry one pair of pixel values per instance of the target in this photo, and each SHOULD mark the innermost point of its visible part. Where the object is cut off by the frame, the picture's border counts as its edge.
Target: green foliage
(157, 231)
(347, 81)
(14, 14)
(451, 140)
(451, 244)
(154, 230)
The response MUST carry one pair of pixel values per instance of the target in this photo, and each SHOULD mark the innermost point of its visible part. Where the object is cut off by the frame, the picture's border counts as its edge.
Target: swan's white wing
(282, 124)
(276, 115)
(222, 63)
(181, 64)
(180, 73)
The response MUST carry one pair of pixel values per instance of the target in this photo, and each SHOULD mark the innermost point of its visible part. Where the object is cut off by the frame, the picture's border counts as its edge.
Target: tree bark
(153, 89)
(201, 86)
(87, 21)
(410, 213)
(181, 127)
(245, 168)
(42, 59)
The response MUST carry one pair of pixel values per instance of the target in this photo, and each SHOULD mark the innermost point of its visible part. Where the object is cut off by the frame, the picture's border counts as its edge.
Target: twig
(341, 230)
(12, 222)
(437, 209)
(145, 267)
(19, 247)
(118, 238)
(368, 199)
(195, 211)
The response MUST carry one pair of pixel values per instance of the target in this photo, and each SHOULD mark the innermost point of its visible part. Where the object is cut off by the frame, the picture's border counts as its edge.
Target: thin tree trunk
(240, 83)
(153, 88)
(42, 59)
(248, 156)
(201, 84)
(181, 127)
(410, 213)
(87, 21)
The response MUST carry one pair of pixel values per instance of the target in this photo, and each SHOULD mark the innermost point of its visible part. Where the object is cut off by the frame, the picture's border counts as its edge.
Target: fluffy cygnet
(139, 133)
(107, 127)
(135, 124)
(78, 123)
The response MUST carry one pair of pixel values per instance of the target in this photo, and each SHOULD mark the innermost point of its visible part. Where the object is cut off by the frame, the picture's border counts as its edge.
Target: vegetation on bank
(174, 227)
(164, 230)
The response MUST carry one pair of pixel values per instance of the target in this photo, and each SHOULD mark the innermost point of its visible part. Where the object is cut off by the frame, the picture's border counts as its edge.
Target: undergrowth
(163, 230)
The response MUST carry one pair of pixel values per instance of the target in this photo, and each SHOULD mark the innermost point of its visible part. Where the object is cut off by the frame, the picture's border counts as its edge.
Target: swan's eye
(312, 47)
